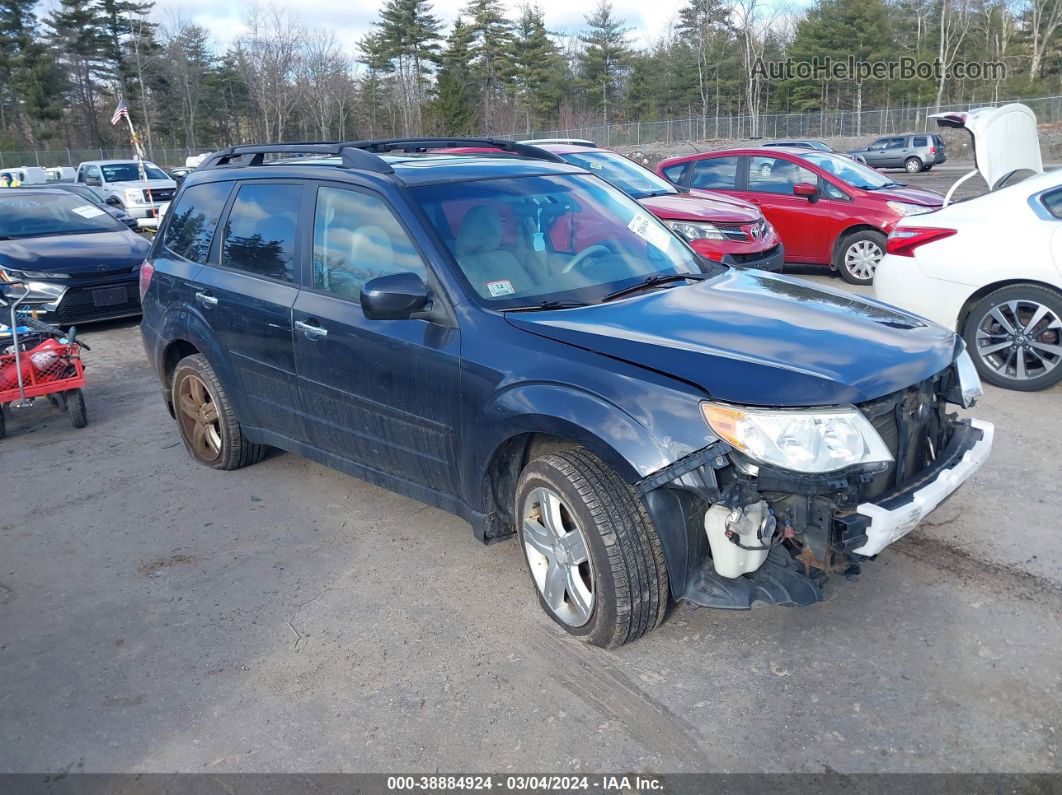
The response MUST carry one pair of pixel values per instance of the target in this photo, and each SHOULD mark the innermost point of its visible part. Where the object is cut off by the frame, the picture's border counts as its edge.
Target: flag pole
(139, 152)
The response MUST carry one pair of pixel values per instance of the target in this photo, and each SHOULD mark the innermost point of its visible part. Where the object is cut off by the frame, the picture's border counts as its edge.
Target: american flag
(122, 111)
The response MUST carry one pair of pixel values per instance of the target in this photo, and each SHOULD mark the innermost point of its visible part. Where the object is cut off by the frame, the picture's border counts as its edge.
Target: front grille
(82, 304)
(732, 231)
(755, 256)
(158, 194)
(913, 427)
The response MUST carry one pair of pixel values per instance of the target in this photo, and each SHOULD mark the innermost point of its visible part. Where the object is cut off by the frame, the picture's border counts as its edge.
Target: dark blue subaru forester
(513, 340)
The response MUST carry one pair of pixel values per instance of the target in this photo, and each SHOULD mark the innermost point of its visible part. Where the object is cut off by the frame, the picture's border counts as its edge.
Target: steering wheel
(589, 251)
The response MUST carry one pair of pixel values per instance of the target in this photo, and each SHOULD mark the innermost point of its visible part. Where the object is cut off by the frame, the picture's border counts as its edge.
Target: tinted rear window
(920, 140)
(259, 234)
(1053, 202)
(193, 220)
(716, 172)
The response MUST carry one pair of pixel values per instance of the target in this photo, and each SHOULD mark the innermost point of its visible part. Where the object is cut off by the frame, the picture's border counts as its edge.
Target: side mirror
(807, 190)
(93, 182)
(396, 296)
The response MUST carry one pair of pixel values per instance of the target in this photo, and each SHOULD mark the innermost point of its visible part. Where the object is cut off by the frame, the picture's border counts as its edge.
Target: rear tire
(3, 421)
(858, 256)
(75, 404)
(928, 168)
(208, 424)
(1008, 349)
(912, 165)
(592, 550)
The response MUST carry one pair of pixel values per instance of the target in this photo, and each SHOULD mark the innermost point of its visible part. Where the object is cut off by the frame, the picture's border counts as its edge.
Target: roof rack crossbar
(352, 157)
(423, 144)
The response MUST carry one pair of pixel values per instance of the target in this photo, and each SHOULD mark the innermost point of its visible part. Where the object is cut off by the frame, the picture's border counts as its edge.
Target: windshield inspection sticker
(87, 211)
(652, 233)
(499, 288)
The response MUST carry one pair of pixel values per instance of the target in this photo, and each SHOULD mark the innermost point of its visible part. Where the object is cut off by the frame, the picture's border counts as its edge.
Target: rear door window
(715, 173)
(259, 233)
(777, 175)
(191, 223)
(356, 237)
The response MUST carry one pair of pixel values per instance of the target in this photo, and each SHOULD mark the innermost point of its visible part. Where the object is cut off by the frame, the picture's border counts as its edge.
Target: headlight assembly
(903, 208)
(133, 196)
(812, 441)
(696, 230)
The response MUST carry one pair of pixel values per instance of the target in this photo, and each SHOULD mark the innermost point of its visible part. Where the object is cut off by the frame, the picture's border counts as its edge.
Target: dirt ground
(156, 615)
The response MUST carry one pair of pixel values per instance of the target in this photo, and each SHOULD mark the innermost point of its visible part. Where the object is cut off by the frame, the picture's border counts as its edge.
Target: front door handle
(311, 331)
(206, 300)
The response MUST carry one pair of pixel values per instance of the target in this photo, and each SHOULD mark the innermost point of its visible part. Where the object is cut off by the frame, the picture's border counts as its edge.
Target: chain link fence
(825, 124)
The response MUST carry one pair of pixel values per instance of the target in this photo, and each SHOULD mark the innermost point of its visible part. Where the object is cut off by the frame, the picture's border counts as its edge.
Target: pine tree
(374, 53)
(605, 59)
(702, 29)
(452, 110)
(490, 47)
(30, 79)
(409, 34)
(79, 35)
(538, 68)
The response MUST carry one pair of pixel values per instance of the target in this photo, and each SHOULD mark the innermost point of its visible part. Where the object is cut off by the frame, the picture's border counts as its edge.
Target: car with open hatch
(828, 209)
(516, 341)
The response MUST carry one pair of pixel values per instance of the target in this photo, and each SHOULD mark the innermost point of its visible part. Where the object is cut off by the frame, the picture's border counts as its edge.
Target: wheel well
(988, 289)
(175, 351)
(503, 471)
(851, 230)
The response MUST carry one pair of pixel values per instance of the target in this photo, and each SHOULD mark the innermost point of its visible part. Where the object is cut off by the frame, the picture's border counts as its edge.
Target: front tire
(858, 256)
(1014, 336)
(209, 428)
(75, 403)
(591, 548)
(912, 165)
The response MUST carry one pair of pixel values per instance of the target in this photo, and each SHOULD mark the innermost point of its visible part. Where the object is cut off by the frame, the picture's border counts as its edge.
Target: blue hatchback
(515, 341)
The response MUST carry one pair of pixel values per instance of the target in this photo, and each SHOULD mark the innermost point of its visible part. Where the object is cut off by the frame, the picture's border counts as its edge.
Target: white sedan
(990, 268)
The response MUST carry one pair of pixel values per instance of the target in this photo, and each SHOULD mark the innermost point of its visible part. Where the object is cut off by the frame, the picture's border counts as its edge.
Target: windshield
(849, 171)
(41, 215)
(634, 180)
(128, 172)
(568, 238)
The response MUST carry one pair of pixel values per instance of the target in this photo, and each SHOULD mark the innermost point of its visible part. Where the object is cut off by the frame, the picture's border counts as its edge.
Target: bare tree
(1045, 17)
(323, 81)
(954, 24)
(270, 56)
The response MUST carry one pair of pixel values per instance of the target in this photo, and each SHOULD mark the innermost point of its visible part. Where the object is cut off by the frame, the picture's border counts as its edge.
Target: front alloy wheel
(558, 557)
(591, 548)
(1015, 337)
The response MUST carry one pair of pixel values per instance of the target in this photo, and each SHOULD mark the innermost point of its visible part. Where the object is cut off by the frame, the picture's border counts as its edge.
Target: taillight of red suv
(902, 241)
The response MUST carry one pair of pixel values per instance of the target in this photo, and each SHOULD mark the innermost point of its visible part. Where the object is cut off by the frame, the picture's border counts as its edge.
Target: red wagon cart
(37, 360)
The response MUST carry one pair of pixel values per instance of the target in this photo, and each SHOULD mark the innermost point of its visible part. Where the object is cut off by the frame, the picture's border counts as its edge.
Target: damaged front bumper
(821, 528)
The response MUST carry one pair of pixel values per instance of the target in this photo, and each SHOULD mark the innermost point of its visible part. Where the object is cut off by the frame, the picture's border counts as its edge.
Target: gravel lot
(158, 616)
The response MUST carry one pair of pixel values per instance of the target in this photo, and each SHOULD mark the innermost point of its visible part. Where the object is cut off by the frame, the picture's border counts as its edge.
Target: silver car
(913, 152)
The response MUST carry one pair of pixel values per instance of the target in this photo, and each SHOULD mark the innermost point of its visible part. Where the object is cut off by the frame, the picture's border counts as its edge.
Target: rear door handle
(312, 331)
(206, 300)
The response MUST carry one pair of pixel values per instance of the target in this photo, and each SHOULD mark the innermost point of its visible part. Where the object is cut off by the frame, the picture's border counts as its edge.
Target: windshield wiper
(543, 306)
(655, 280)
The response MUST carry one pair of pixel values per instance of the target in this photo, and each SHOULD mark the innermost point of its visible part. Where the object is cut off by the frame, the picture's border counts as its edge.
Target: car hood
(95, 253)
(927, 198)
(758, 339)
(701, 206)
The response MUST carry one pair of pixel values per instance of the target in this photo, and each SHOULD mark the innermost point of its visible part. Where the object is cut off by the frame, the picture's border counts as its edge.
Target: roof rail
(424, 144)
(353, 156)
(364, 155)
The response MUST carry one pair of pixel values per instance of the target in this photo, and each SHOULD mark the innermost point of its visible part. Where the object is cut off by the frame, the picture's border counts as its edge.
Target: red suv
(722, 228)
(828, 209)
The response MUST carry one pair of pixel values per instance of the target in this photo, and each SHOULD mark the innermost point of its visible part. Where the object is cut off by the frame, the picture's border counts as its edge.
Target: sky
(351, 20)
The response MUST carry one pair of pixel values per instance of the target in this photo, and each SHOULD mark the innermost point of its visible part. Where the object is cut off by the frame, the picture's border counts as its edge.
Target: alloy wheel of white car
(1020, 340)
